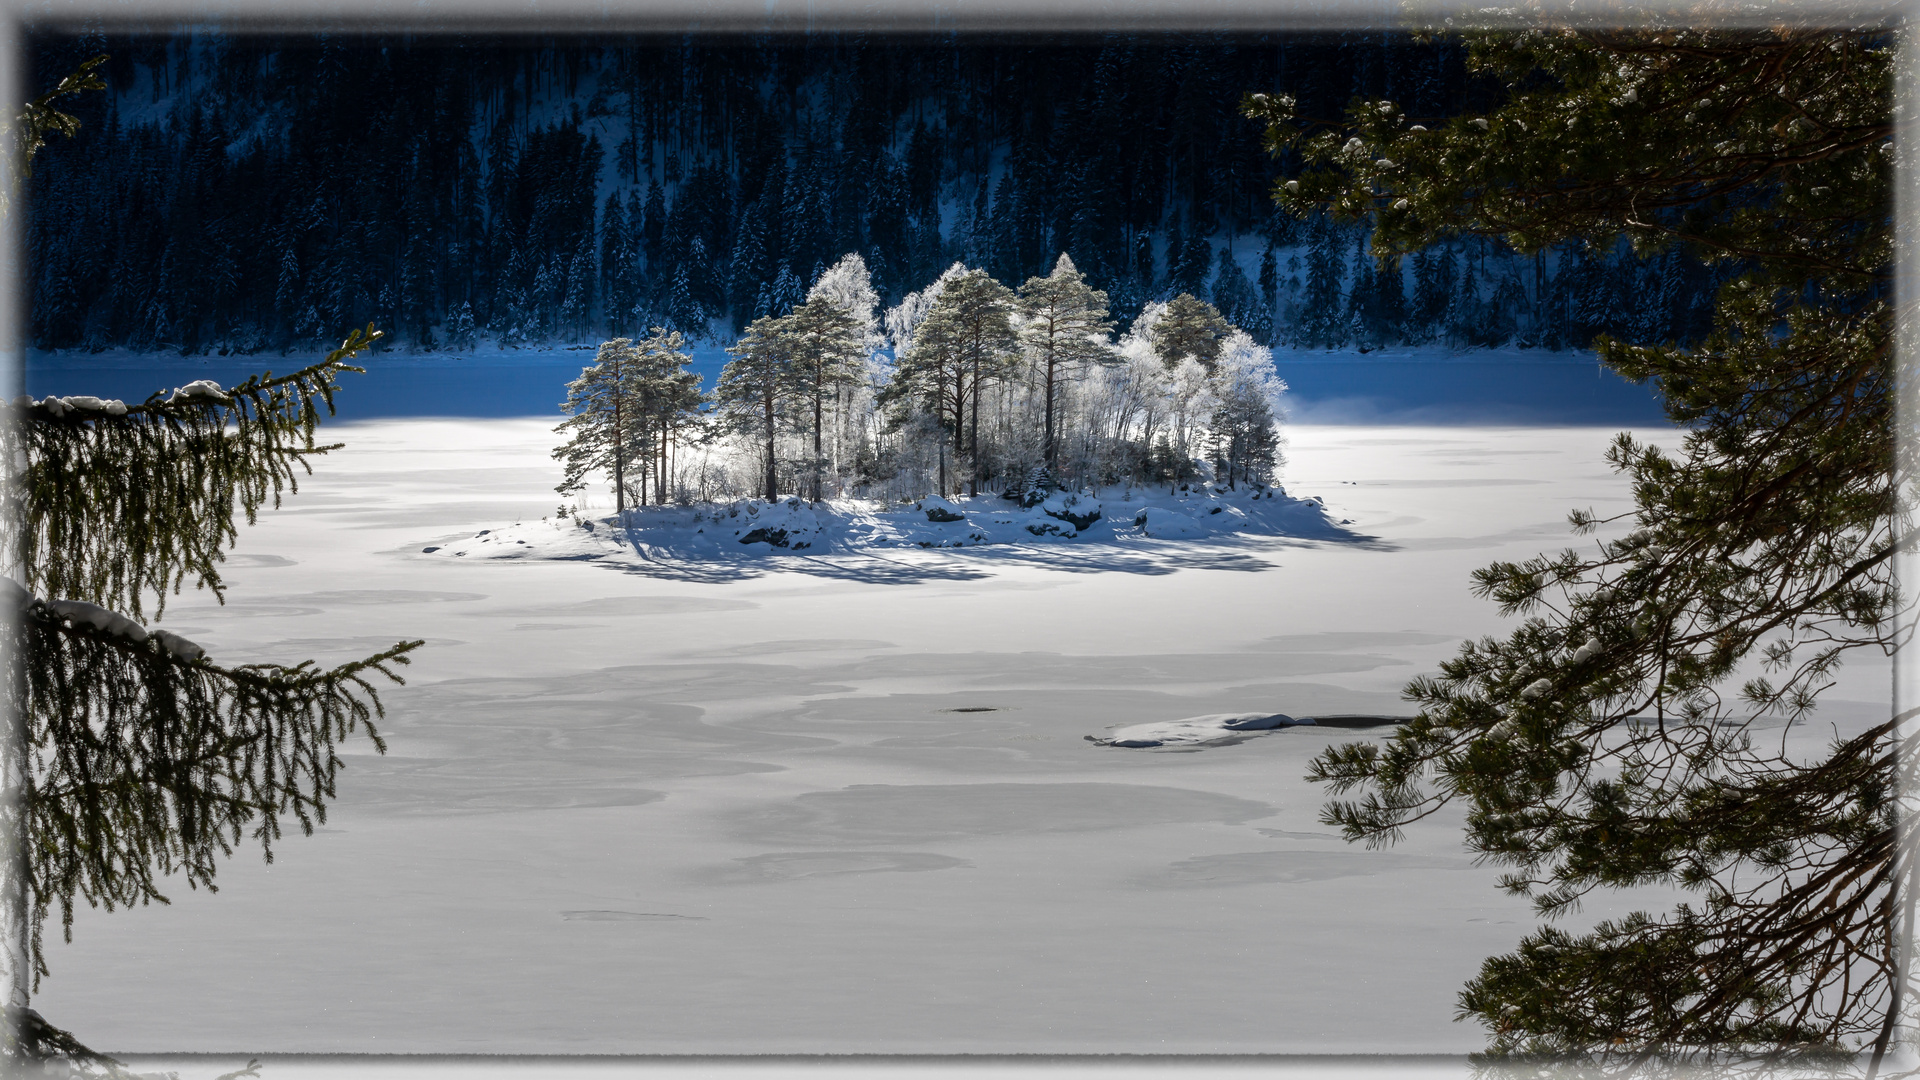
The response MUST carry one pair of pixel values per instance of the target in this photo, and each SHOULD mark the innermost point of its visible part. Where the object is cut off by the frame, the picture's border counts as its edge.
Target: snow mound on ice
(791, 525)
(1079, 511)
(1168, 523)
(938, 509)
(1207, 730)
(795, 526)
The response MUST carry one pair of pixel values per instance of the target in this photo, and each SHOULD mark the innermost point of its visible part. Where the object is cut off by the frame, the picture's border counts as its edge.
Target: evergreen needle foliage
(134, 755)
(623, 413)
(1610, 740)
(128, 754)
(40, 118)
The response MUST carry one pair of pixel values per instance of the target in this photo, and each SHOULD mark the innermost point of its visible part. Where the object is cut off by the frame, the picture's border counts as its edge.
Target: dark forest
(246, 193)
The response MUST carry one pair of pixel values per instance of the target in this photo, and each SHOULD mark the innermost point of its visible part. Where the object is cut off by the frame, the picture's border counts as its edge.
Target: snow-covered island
(755, 528)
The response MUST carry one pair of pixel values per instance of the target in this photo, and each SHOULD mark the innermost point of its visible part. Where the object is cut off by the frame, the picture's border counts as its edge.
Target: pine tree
(827, 345)
(1187, 273)
(1190, 328)
(755, 391)
(1261, 327)
(966, 339)
(1232, 293)
(459, 327)
(1064, 327)
(616, 272)
(1601, 744)
(1320, 323)
(606, 426)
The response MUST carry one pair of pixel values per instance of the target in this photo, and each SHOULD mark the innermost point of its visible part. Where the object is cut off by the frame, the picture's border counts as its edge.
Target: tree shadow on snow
(862, 568)
(1123, 555)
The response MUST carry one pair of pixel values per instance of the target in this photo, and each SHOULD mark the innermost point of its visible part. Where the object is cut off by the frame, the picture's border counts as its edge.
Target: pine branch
(112, 504)
(148, 759)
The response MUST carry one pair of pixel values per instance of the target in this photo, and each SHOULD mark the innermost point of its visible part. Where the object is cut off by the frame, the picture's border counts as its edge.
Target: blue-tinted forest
(243, 194)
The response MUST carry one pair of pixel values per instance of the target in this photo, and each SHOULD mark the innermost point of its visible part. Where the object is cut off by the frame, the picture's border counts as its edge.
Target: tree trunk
(771, 494)
(816, 436)
(646, 473)
(1049, 455)
(619, 457)
(16, 912)
(959, 415)
(973, 434)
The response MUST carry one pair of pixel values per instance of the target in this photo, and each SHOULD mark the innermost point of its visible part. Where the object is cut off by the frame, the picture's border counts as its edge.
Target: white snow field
(845, 802)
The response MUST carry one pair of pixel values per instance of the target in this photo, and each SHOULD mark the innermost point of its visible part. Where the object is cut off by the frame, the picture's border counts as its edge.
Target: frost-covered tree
(755, 393)
(826, 347)
(1243, 431)
(848, 285)
(966, 339)
(1609, 741)
(1064, 326)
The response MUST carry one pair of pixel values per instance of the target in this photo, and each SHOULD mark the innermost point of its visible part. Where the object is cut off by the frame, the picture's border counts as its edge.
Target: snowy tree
(826, 346)
(1064, 326)
(848, 285)
(755, 392)
(1243, 432)
(1190, 403)
(966, 338)
(622, 412)
(904, 319)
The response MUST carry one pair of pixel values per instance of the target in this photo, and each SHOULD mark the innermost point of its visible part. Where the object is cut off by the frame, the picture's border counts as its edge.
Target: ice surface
(769, 743)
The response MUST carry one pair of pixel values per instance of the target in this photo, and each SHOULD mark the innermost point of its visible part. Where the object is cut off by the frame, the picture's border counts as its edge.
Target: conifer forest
(245, 194)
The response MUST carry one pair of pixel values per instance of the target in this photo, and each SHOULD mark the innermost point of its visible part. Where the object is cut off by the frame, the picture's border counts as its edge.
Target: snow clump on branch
(199, 388)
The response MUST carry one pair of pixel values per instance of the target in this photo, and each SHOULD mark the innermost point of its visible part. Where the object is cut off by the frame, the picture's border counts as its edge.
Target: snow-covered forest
(965, 385)
(251, 193)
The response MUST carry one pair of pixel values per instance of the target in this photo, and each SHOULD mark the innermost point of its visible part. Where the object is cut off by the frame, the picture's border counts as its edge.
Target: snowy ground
(1111, 523)
(845, 802)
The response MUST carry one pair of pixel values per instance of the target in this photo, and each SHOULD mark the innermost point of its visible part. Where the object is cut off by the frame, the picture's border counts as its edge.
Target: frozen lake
(845, 804)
